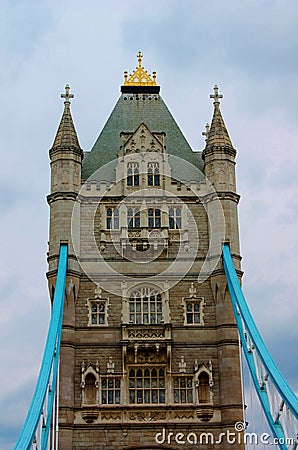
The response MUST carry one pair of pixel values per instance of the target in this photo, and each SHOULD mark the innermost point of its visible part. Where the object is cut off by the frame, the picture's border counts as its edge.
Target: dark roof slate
(129, 112)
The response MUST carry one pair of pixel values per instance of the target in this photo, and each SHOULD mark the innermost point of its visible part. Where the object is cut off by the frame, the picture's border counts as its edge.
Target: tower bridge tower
(149, 349)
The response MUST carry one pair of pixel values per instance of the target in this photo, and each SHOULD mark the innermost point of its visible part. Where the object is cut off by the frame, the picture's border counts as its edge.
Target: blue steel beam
(49, 360)
(243, 315)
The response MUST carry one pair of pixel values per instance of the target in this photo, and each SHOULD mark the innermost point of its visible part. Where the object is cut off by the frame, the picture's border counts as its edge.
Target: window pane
(140, 396)
(183, 396)
(147, 396)
(154, 396)
(156, 180)
(117, 396)
(162, 396)
(101, 319)
(189, 318)
(176, 396)
(131, 396)
(110, 397)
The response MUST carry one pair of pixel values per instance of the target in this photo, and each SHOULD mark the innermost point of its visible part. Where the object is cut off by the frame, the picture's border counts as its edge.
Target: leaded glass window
(147, 385)
(98, 312)
(110, 390)
(145, 306)
(153, 174)
(112, 218)
(193, 312)
(175, 218)
(183, 389)
(154, 218)
(133, 218)
(133, 177)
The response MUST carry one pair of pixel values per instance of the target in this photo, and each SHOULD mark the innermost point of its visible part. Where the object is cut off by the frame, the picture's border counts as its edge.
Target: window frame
(112, 218)
(133, 218)
(111, 390)
(145, 305)
(154, 217)
(199, 312)
(153, 174)
(145, 389)
(183, 391)
(133, 174)
(91, 313)
(175, 218)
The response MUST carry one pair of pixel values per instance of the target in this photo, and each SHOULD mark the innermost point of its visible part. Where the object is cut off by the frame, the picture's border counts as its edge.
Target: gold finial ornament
(140, 57)
(140, 76)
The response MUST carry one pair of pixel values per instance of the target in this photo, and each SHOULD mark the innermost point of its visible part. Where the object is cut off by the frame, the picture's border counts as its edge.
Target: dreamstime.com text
(236, 436)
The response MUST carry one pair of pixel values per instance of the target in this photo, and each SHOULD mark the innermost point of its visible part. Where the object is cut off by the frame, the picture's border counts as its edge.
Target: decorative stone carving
(148, 416)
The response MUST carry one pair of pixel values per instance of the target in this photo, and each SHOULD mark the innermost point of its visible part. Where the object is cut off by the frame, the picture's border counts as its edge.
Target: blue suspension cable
(49, 363)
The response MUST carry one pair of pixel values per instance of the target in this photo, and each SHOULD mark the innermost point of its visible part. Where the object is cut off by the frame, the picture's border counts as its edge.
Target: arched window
(145, 306)
(98, 312)
(175, 218)
(154, 218)
(133, 177)
(133, 218)
(153, 174)
(90, 389)
(112, 218)
(147, 385)
(192, 312)
(204, 388)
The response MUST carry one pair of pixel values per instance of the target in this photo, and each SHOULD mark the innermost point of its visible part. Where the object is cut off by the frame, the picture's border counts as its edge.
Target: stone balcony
(142, 334)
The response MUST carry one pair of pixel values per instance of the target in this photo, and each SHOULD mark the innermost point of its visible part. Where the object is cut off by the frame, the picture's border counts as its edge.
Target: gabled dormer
(142, 141)
(142, 159)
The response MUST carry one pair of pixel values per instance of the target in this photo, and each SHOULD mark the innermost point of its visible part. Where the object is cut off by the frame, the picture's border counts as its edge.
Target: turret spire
(66, 136)
(217, 135)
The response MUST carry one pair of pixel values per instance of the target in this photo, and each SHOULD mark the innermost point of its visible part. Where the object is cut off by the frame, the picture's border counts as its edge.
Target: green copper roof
(129, 112)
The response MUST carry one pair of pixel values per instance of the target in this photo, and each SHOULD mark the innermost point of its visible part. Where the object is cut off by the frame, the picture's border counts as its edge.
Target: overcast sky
(249, 48)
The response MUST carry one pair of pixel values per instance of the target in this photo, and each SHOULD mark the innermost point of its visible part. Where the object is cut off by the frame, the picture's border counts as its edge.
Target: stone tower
(149, 350)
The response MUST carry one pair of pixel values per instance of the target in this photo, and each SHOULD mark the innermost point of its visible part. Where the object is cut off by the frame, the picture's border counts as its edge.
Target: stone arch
(90, 386)
(204, 384)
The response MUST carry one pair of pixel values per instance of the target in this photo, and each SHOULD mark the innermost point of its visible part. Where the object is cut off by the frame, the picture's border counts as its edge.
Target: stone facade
(149, 350)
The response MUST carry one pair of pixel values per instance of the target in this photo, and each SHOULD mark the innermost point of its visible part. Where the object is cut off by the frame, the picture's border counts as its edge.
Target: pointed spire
(217, 135)
(66, 136)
